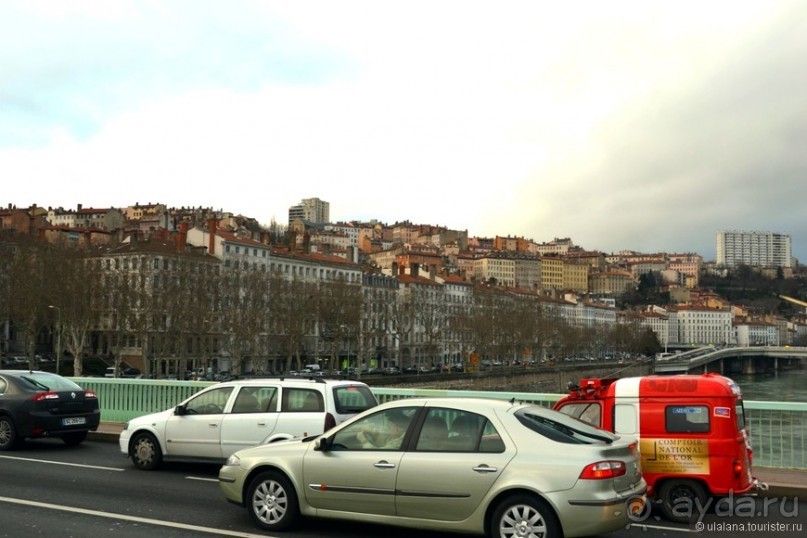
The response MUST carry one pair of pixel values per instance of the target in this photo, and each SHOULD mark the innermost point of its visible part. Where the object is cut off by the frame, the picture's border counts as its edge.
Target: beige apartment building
(500, 268)
(552, 273)
(688, 265)
(611, 282)
(575, 277)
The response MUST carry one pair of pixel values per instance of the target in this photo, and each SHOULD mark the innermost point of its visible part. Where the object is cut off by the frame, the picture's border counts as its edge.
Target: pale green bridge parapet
(778, 429)
(778, 433)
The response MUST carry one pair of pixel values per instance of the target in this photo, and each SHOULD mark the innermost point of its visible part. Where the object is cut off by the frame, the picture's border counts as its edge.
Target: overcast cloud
(622, 125)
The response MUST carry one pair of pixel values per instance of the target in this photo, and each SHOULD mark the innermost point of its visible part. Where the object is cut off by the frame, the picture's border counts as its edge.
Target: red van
(691, 432)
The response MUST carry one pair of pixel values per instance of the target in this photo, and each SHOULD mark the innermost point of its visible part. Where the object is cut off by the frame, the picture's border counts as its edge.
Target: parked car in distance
(226, 417)
(469, 465)
(130, 373)
(41, 404)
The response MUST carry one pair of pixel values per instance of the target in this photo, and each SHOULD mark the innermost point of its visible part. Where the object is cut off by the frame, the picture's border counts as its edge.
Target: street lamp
(58, 337)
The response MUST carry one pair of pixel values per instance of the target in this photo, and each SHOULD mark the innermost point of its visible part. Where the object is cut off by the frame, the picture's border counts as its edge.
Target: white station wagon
(223, 418)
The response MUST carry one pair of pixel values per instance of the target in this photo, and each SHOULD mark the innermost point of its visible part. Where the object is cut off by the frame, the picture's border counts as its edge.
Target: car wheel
(680, 499)
(71, 439)
(8, 433)
(146, 452)
(524, 516)
(272, 502)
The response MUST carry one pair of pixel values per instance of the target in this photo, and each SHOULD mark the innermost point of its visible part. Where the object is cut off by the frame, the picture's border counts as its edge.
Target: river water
(785, 386)
(778, 437)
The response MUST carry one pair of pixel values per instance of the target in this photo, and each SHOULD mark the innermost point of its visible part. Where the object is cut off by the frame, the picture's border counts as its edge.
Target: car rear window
(353, 399)
(48, 381)
(561, 428)
(687, 418)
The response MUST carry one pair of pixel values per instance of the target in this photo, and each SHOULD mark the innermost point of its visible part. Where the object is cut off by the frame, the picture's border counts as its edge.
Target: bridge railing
(778, 429)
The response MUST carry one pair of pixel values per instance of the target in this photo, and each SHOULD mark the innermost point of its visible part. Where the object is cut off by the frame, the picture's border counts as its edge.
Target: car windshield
(49, 382)
(561, 428)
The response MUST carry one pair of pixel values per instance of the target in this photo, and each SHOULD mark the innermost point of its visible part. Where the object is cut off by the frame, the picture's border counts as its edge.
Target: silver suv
(223, 418)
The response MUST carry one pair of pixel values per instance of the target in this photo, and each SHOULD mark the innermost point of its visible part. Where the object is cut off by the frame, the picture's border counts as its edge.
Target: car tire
(145, 452)
(272, 502)
(524, 515)
(71, 439)
(673, 495)
(8, 433)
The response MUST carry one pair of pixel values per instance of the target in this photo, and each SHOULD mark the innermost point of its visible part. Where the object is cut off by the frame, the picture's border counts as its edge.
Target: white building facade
(757, 249)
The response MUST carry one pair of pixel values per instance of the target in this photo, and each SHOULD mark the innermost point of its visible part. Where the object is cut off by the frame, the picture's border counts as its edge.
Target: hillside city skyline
(309, 214)
(443, 276)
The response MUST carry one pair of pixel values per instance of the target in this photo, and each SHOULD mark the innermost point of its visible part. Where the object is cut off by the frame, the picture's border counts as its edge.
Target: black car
(40, 404)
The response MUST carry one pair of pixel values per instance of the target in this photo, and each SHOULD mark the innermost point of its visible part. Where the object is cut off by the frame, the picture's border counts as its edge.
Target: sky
(646, 126)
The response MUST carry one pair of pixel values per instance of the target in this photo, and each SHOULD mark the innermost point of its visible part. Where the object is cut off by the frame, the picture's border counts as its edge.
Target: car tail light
(603, 469)
(41, 396)
(330, 422)
(90, 394)
(738, 468)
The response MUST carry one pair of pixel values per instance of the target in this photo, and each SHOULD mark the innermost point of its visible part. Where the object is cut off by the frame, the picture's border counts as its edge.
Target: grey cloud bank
(634, 127)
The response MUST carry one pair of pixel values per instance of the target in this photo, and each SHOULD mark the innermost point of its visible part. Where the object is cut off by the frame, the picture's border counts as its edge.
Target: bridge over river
(728, 360)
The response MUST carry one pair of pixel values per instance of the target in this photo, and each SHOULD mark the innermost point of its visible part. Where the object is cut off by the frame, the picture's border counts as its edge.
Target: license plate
(72, 421)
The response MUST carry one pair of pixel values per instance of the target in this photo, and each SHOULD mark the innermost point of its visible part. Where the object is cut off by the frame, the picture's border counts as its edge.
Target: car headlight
(233, 461)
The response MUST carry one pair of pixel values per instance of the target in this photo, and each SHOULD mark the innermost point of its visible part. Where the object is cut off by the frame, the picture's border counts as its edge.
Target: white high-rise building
(758, 249)
(311, 209)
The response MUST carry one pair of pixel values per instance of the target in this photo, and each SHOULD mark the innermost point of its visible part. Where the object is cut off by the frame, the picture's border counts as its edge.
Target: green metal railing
(778, 429)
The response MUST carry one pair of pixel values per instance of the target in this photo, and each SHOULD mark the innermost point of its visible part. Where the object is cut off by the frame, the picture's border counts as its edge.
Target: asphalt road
(91, 490)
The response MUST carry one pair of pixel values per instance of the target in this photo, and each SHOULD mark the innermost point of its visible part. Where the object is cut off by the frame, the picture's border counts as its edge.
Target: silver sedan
(475, 466)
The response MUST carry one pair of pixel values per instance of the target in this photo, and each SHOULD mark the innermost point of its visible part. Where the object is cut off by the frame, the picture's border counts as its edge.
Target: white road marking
(202, 479)
(660, 527)
(118, 469)
(62, 463)
(136, 519)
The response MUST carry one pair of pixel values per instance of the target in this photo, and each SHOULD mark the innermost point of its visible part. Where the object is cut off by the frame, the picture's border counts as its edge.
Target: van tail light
(738, 468)
(330, 422)
(603, 470)
(42, 396)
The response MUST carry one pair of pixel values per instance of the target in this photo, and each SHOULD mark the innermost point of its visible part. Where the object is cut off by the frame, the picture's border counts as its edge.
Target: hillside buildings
(366, 293)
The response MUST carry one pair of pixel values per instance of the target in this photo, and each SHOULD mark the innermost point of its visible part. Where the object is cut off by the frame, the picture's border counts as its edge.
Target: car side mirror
(323, 444)
(179, 410)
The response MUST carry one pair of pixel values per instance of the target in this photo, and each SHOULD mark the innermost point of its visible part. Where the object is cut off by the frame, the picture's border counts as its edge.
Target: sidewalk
(783, 482)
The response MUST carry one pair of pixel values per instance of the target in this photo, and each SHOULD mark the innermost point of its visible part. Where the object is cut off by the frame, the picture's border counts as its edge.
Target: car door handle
(485, 469)
(213, 425)
(384, 465)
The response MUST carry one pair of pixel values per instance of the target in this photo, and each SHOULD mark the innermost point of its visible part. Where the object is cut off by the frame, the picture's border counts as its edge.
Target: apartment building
(552, 272)
(756, 249)
(87, 217)
(688, 265)
(312, 210)
(575, 276)
(700, 325)
(495, 267)
(611, 283)
(558, 247)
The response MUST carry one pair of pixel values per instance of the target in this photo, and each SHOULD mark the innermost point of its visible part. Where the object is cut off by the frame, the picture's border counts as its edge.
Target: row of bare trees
(178, 309)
